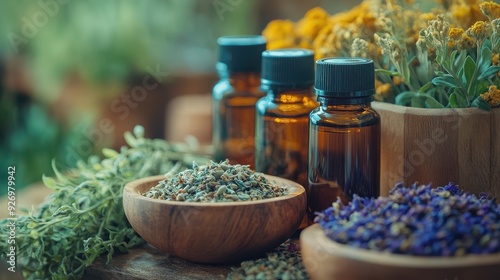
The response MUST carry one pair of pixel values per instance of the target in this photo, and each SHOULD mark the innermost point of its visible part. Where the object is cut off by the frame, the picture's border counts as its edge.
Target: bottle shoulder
(271, 107)
(346, 118)
(223, 89)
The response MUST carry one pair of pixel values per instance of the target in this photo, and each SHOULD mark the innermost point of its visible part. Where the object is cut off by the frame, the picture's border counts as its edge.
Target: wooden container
(218, 232)
(440, 146)
(329, 260)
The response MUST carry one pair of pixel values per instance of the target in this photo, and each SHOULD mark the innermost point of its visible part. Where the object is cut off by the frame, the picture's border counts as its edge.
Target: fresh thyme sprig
(83, 218)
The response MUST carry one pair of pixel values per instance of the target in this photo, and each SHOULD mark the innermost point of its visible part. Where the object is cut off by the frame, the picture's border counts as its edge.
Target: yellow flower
(398, 80)
(317, 13)
(480, 30)
(367, 20)
(323, 44)
(455, 33)
(279, 34)
(314, 20)
(351, 15)
(465, 14)
(492, 96)
(461, 13)
(490, 9)
(427, 17)
(385, 90)
(494, 59)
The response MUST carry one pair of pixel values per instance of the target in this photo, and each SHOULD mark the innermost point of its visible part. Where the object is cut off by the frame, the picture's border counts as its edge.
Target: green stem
(474, 75)
(462, 90)
(105, 221)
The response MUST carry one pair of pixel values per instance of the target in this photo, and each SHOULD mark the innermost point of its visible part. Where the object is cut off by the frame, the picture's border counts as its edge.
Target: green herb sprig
(461, 74)
(83, 218)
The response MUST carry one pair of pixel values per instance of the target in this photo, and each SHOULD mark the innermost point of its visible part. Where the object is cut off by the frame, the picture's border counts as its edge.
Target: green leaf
(130, 139)
(453, 100)
(460, 72)
(482, 86)
(432, 103)
(487, 44)
(445, 80)
(481, 104)
(462, 101)
(49, 182)
(496, 43)
(387, 72)
(59, 175)
(418, 101)
(469, 68)
(460, 60)
(484, 60)
(426, 87)
(405, 98)
(109, 153)
(453, 54)
(488, 72)
(139, 131)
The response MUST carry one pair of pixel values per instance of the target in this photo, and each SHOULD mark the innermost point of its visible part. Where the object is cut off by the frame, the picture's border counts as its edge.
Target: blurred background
(74, 75)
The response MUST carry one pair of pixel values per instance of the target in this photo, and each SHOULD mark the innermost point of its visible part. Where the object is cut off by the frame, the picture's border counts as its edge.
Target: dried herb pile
(284, 263)
(216, 182)
(83, 218)
(417, 220)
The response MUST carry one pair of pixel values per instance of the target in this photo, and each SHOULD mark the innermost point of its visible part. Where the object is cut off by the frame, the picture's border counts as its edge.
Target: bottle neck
(241, 80)
(344, 104)
(287, 95)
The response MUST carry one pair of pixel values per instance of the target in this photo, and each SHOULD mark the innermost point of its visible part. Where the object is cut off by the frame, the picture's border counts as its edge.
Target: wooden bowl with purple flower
(417, 232)
(329, 260)
(214, 232)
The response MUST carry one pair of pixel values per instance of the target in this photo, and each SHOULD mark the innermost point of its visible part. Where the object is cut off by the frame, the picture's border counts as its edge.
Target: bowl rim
(129, 190)
(314, 234)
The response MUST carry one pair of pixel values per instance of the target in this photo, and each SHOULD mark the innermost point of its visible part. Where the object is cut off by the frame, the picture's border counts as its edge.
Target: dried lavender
(417, 220)
(284, 262)
(216, 182)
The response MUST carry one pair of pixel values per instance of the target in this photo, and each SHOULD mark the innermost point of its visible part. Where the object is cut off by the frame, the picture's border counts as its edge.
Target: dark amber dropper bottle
(234, 98)
(344, 134)
(282, 125)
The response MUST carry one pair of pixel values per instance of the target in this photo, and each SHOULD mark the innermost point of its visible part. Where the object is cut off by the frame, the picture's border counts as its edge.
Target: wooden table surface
(148, 263)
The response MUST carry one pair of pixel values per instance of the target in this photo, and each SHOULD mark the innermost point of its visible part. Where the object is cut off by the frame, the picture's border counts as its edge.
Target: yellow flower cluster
(492, 96)
(330, 35)
(465, 13)
(394, 33)
(490, 9)
(319, 31)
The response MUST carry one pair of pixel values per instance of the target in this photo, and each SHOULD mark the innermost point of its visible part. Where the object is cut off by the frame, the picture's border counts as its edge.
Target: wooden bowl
(215, 233)
(326, 259)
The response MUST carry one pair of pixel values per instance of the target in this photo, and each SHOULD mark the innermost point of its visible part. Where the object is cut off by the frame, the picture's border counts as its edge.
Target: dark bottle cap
(241, 53)
(340, 77)
(287, 68)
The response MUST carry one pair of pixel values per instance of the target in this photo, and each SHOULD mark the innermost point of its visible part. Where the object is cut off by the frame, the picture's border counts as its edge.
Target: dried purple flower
(417, 220)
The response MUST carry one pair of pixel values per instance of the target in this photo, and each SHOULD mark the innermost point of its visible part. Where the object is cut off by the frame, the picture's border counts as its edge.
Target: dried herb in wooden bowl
(216, 182)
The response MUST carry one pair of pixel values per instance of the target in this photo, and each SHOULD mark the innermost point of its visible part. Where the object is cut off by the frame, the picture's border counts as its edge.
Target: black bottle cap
(340, 77)
(287, 68)
(241, 53)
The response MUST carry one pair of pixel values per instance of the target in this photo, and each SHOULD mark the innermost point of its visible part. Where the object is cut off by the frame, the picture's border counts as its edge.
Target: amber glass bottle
(344, 134)
(234, 97)
(282, 122)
